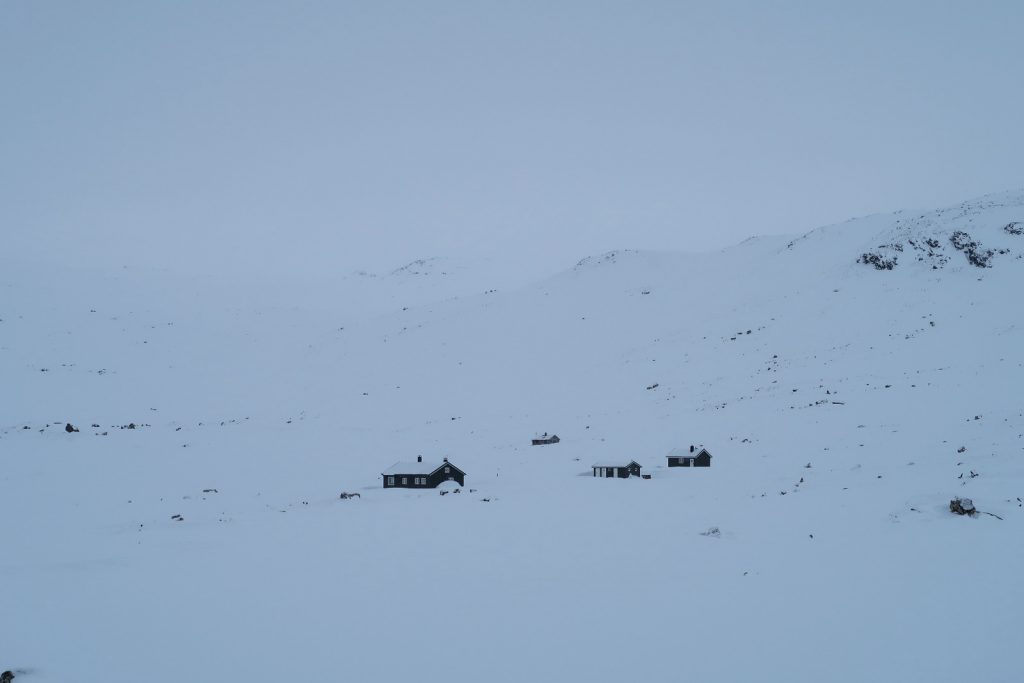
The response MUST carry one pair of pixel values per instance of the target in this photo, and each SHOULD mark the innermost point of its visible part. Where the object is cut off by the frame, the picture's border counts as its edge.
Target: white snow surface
(845, 407)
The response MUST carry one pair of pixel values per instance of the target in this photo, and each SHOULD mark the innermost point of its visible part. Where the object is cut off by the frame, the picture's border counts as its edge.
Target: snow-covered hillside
(848, 383)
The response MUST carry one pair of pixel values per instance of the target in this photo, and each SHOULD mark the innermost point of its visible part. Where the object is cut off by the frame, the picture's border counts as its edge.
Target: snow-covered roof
(618, 464)
(545, 436)
(685, 452)
(425, 467)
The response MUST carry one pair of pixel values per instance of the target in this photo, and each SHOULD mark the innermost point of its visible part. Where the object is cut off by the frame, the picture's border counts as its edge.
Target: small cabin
(545, 439)
(422, 475)
(695, 456)
(632, 469)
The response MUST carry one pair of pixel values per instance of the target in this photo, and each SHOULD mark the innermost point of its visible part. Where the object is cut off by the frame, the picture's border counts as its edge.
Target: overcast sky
(242, 136)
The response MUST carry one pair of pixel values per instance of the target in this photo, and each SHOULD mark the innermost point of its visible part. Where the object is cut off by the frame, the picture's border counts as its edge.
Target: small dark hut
(632, 469)
(545, 439)
(694, 457)
(422, 475)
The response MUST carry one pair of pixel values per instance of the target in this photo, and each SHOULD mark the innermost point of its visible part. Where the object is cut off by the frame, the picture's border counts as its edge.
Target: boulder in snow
(962, 506)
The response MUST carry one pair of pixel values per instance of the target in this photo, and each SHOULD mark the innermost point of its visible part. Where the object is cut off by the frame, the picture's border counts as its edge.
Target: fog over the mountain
(298, 138)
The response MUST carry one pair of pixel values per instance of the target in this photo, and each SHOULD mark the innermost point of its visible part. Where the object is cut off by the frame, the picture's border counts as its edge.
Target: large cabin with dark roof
(620, 470)
(694, 457)
(422, 475)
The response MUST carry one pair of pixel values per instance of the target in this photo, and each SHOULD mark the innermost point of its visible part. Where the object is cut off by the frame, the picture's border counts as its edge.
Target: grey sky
(317, 135)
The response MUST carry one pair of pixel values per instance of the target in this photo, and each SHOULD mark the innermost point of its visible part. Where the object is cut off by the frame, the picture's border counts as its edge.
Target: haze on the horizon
(314, 136)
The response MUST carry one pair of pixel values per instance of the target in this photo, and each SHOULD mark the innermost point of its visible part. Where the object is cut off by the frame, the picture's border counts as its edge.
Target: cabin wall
(435, 479)
(615, 472)
(684, 461)
(410, 481)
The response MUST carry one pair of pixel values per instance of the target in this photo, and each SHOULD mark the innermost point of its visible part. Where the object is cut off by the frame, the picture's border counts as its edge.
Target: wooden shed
(422, 475)
(622, 471)
(545, 439)
(695, 456)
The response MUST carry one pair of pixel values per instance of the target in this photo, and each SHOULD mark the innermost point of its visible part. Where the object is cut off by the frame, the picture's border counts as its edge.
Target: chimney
(691, 448)
(446, 459)
(419, 458)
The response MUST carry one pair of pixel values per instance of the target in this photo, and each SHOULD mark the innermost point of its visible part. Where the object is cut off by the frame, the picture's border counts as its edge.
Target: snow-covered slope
(845, 398)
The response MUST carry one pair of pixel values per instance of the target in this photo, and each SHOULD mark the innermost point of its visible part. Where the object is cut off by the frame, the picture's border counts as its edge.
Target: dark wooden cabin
(622, 471)
(422, 475)
(545, 439)
(696, 456)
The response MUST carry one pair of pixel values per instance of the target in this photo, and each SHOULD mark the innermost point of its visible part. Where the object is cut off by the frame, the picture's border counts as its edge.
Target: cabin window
(447, 470)
(391, 481)
(405, 481)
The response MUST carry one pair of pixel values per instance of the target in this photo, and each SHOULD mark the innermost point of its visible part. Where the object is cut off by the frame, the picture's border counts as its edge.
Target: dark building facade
(422, 475)
(694, 457)
(622, 471)
(545, 439)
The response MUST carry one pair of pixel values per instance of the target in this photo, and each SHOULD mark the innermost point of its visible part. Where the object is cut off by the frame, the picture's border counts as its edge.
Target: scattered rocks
(70, 428)
(345, 495)
(872, 258)
(1015, 228)
(712, 532)
(976, 256)
(177, 518)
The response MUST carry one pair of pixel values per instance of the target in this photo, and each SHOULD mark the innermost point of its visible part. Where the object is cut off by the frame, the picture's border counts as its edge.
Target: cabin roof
(545, 436)
(418, 468)
(685, 452)
(618, 464)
